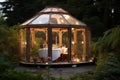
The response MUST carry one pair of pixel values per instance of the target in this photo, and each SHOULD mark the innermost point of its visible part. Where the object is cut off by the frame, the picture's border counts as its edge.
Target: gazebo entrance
(54, 36)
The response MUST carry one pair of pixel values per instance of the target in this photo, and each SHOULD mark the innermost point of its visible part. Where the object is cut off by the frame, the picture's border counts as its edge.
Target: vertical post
(85, 44)
(50, 43)
(88, 44)
(75, 36)
(60, 38)
(33, 37)
(69, 44)
(28, 44)
(46, 34)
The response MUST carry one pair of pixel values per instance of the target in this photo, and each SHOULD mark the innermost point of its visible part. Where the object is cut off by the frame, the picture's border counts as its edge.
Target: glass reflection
(57, 19)
(71, 20)
(42, 19)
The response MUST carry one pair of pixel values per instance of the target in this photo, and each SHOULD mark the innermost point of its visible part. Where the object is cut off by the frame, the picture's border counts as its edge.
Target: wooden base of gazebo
(56, 65)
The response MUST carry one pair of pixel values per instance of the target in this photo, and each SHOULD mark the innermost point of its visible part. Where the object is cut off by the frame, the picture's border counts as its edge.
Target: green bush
(17, 75)
(107, 49)
(9, 42)
(83, 76)
(24, 75)
(108, 68)
(4, 63)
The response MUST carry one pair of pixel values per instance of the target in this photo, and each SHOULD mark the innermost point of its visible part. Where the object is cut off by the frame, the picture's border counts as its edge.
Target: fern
(112, 37)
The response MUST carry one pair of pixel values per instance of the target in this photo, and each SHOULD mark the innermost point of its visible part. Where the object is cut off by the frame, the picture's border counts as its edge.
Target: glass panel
(42, 19)
(56, 51)
(46, 10)
(57, 19)
(64, 48)
(59, 45)
(71, 20)
(77, 46)
(23, 44)
(39, 49)
(61, 10)
(27, 22)
(54, 9)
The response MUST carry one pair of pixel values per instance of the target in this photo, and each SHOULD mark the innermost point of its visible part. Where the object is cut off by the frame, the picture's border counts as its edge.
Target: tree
(9, 41)
(108, 12)
(99, 15)
(17, 11)
(86, 11)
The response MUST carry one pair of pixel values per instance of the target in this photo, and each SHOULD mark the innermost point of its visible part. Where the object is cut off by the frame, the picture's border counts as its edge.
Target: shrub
(4, 64)
(108, 68)
(83, 76)
(107, 49)
(17, 75)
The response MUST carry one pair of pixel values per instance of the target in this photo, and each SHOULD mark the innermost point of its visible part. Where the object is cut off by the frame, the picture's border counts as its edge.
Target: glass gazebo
(54, 36)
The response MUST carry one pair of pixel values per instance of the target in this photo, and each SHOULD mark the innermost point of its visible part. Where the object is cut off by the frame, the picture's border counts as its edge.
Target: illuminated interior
(54, 36)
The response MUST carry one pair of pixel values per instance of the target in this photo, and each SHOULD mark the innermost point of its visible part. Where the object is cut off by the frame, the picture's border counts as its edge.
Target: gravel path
(67, 72)
(60, 72)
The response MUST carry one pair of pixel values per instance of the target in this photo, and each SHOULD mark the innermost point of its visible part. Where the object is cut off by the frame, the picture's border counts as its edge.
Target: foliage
(112, 39)
(83, 76)
(98, 15)
(77, 50)
(19, 11)
(8, 39)
(19, 75)
(24, 75)
(108, 55)
(34, 53)
(4, 63)
(109, 42)
(9, 42)
(108, 68)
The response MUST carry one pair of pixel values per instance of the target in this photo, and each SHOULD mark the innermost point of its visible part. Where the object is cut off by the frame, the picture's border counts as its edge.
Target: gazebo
(54, 36)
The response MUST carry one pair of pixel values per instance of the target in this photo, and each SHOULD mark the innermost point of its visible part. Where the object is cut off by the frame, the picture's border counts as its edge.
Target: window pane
(71, 20)
(42, 19)
(27, 22)
(46, 10)
(57, 19)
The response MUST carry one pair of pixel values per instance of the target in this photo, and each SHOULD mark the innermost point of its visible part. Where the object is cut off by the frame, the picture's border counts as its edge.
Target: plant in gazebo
(39, 42)
(35, 48)
(77, 47)
(39, 39)
(34, 54)
(77, 50)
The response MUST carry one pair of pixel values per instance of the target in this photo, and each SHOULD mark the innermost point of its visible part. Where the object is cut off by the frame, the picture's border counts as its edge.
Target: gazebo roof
(53, 16)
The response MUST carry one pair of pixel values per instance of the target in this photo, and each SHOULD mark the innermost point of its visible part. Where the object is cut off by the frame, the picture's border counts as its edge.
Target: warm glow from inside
(72, 29)
(73, 42)
(76, 59)
(46, 63)
(55, 37)
(82, 42)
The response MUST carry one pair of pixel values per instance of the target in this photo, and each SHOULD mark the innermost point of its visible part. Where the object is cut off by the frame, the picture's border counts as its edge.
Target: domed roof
(53, 16)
